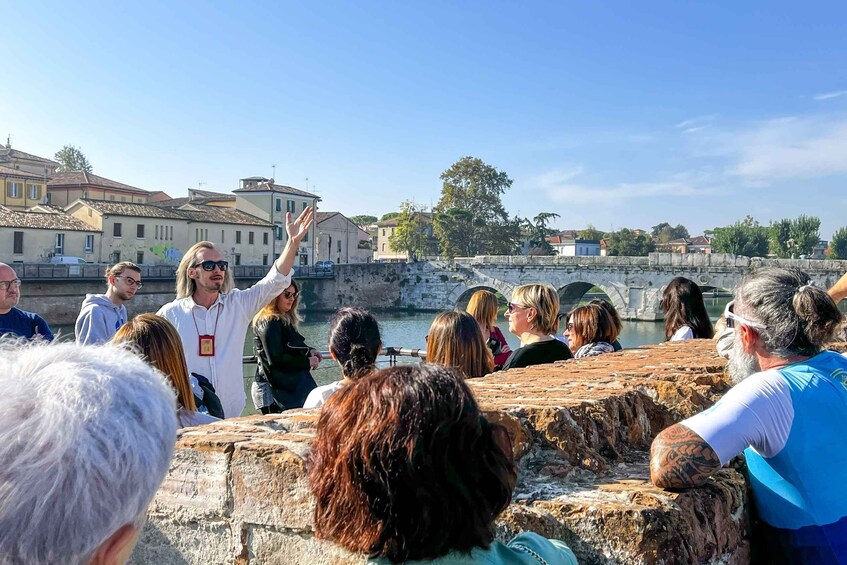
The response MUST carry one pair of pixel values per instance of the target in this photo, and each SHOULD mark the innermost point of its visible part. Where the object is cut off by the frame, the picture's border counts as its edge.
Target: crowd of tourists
(87, 429)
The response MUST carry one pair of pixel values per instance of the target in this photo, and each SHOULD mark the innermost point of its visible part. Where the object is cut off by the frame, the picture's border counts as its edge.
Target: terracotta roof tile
(323, 216)
(8, 154)
(268, 187)
(9, 171)
(220, 215)
(80, 178)
(41, 220)
(113, 208)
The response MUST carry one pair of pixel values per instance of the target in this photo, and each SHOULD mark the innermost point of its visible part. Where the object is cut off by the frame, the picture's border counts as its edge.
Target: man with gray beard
(787, 411)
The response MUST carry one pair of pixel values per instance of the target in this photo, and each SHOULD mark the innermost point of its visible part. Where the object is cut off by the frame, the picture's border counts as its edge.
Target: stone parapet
(237, 491)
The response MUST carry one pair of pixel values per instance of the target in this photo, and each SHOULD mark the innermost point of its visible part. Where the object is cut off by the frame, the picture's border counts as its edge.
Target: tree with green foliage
(389, 216)
(795, 238)
(744, 237)
(838, 245)
(591, 233)
(363, 220)
(664, 232)
(72, 158)
(470, 218)
(413, 234)
(539, 231)
(780, 235)
(627, 243)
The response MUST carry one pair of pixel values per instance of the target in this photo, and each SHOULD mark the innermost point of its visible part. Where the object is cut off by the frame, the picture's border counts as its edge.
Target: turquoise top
(527, 548)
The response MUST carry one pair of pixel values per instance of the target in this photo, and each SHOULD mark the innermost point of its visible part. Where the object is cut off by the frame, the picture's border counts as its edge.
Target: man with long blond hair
(212, 316)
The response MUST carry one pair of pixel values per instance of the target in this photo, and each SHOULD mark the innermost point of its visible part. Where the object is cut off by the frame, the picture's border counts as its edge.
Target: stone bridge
(634, 284)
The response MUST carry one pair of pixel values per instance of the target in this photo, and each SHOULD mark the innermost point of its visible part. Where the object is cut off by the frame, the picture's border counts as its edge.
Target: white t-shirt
(757, 412)
(321, 394)
(227, 319)
(684, 333)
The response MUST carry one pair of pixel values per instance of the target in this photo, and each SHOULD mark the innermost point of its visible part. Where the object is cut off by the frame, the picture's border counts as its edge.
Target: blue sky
(612, 114)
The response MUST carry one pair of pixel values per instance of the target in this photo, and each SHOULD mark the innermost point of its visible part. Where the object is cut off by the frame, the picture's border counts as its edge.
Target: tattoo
(679, 458)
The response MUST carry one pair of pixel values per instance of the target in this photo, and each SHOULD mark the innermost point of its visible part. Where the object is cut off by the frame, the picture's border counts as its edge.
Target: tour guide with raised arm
(212, 316)
(787, 411)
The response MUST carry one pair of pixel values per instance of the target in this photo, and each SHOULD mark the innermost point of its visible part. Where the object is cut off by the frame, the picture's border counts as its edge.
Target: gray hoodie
(98, 319)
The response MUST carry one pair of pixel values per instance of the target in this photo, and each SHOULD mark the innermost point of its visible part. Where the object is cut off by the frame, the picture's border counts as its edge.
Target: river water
(400, 329)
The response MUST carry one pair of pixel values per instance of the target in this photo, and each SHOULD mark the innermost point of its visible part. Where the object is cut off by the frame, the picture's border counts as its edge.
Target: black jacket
(283, 361)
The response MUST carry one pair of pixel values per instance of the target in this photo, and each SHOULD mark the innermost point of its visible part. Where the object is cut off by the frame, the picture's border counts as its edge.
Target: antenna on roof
(9, 141)
(273, 176)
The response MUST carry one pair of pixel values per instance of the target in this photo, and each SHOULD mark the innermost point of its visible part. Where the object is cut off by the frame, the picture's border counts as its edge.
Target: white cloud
(830, 95)
(790, 148)
(559, 187)
(698, 122)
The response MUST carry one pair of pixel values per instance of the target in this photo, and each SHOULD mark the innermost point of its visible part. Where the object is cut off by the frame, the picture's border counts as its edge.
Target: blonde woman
(455, 341)
(483, 307)
(533, 315)
(283, 360)
(157, 341)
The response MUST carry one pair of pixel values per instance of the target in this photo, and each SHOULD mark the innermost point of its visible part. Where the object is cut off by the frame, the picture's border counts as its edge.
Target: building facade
(18, 160)
(150, 234)
(261, 197)
(568, 244)
(340, 240)
(65, 188)
(35, 237)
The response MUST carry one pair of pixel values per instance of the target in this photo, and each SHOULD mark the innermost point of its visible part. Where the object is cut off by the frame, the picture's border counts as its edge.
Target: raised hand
(298, 229)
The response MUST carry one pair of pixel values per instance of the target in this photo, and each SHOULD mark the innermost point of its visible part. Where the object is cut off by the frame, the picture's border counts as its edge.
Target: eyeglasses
(289, 294)
(131, 281)
(210, 265)
(732, 319)
(513, 307)
(14, 283)
(569, 327)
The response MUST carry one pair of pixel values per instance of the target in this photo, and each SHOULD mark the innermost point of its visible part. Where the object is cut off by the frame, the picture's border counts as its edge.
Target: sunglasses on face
(733, 320)
(513, 307)
(289, 294)
(210, 265)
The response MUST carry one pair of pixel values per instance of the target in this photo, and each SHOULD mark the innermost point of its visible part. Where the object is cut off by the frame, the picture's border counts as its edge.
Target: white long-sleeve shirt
(233, 312)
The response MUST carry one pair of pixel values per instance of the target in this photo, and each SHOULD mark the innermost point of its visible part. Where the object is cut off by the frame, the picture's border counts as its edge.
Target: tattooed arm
(679, 458)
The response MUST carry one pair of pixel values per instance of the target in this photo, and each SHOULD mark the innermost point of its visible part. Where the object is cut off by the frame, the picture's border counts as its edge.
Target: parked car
(66, 260)
(324, 266)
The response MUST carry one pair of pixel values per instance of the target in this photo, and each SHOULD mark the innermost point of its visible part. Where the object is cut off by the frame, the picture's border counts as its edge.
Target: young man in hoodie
(102, 314)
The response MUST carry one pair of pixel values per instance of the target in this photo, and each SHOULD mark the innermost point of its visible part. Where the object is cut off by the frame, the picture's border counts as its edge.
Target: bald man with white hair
(86, 437)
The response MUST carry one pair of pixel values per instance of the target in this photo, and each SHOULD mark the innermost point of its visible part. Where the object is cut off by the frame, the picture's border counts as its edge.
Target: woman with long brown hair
(590, 331)
(283, 360)
(157, 340)
(483, 306)
(405, 469)
(685, 312)
(455, 341)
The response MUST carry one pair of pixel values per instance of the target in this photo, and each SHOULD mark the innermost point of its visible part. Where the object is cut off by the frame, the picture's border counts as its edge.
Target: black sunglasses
(210, 265)
(289, 294)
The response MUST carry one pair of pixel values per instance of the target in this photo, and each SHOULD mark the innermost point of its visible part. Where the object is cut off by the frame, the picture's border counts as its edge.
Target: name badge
(207, 346)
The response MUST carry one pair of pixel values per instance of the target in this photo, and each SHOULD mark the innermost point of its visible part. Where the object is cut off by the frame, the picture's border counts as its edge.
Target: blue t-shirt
(24, 324)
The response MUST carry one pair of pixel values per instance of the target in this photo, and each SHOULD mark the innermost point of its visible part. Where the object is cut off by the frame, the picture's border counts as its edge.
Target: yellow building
(67, 187)
(21, 189)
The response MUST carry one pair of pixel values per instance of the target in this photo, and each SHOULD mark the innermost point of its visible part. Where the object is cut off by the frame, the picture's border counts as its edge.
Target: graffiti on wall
(167, 252)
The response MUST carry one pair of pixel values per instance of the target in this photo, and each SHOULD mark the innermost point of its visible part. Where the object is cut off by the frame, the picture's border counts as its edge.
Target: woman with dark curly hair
(405, 468)
(685, 312)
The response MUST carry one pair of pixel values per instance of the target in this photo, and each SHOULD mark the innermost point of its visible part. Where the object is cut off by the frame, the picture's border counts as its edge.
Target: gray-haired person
(787, 412)
(86, 437)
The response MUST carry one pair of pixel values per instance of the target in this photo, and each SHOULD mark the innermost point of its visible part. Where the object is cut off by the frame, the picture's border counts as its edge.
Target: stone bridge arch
(571, 294)
(465, 297)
